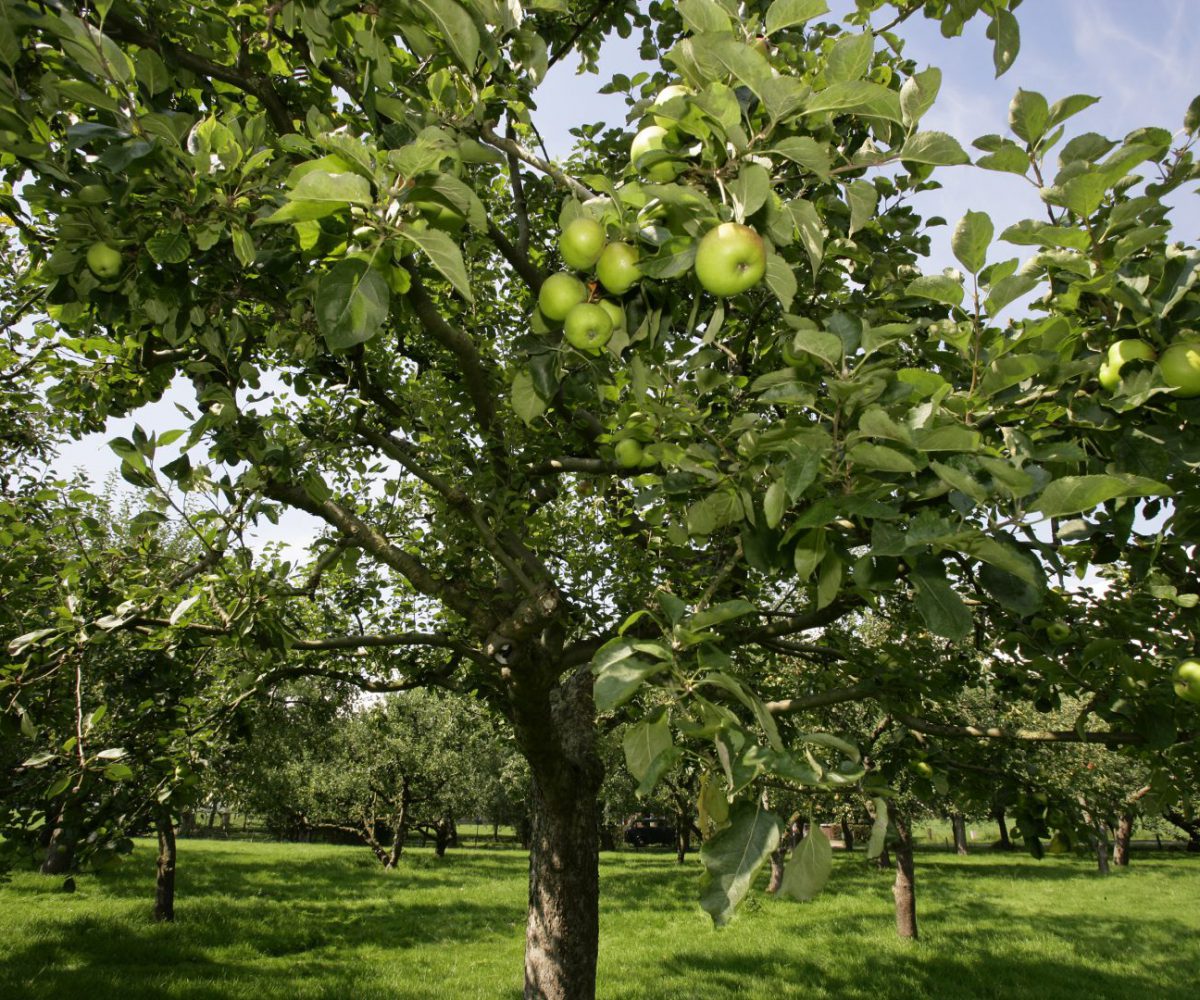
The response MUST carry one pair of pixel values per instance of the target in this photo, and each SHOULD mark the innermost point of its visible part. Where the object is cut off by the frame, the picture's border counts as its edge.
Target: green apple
(588, 327)
(93, 194)
(1119, 354)
(104, 261)
(1186, 680)
(560, 294)
(629, 453)
(615, 313)
(665, 95)
(1058, 632)
(651, 139)
(581, 243)
(730, 259)
(617, 269)
(921, 767)
(1180, 367)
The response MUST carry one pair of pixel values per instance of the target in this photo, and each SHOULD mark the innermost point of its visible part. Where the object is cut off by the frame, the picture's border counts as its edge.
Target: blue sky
(1139, 56)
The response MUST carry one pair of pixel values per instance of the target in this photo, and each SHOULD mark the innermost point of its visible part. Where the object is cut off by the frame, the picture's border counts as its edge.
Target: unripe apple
(93, 194)
(615, 313)
(588, 327)
(559, 295)
(440, 216)
(649, 140)
(730, 259)
(665, 95)
(629, 453)
(1119, 353)
(1180, 367)
(617, 269)
(1186, 680)
(581, 243)
(1058, 632)
(104, 261)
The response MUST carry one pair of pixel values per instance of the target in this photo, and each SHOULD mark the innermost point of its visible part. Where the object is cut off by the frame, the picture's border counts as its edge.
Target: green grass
(304, 921)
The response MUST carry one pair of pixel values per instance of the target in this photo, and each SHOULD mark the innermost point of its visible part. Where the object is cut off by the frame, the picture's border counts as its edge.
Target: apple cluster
(1179, 365)
(589, 323)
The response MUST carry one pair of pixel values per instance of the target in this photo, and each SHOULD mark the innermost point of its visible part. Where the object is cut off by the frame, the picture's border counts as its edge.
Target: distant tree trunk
(453, 841)
(164, 892)
(959, 825)
(683, 840)
(187, 823)
(1006, 843)
(787, 842)
(847, 835)
(1124, 835)
(556, 729)
(443, 832)
(1098, 837)
(212, 814)
(904, 890)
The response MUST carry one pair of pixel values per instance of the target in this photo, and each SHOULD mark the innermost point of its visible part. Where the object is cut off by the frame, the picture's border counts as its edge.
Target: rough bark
(904, 890)
(1189, 826)
(556, 730)
(959, 825)
(1124, 835)
(1099, 839)
(400, 824)
(164, 890)
(1005, 842)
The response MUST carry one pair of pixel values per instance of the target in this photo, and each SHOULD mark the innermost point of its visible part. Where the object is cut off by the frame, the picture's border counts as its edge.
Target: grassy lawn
(303, 921)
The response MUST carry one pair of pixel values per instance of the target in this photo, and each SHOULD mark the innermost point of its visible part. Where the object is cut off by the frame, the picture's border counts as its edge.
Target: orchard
(676, 442)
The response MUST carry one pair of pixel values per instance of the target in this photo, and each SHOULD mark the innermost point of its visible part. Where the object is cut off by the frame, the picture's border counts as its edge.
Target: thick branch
(1018, 735)
(372, 541)
(835, 696)
(569, 463)
(124, 30)
(517, 258)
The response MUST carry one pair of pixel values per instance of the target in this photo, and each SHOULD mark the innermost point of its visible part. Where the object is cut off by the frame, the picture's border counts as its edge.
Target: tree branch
(932, 728)
(545, 166)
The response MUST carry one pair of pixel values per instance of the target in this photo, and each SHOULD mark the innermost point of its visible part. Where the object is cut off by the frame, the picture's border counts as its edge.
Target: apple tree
(328, 228)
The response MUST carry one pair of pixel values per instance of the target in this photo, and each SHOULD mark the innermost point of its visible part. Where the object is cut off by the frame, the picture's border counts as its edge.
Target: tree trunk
(847, 835)
(557, 730)
(959, 824)
(60, 845)
(400, 825)
(164, 891)
(1124, 835)
(683, 836)
(1098, 837)
(904, 889)
(443, 831)
(1189, 826)
(212, 814)
(1006, 843)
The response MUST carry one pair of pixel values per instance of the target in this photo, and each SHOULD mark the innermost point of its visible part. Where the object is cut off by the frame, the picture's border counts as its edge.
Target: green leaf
(526, 401)
(812, 233)
(1079, 494)
(948, 437)
(456, 28)
(939, 604)
(1060, 111)
(918, 94)
(1008, 290)
(829, 580)
(821, 344)
(443, 253)
(788, 13)
(810, 551)
(718, 613)
(880, 458)
(1191, 117)
(703, 15)
(814, 156)
(971, 238)
(733, 857)
(717, 510)
(645, 744)
(808, 869)
(749, 189)
(850, 57)
(936, 148)
(938, 287)
(878, 839)
(169, 247)
(1029, 115)
(775, 503)
(118, 772)
(1008, 158)
(1005, 33)
(352, 303)
(858, 97)
(334, 189)
(863, 198)
(781, 280)
(620, 680)
(243, 246)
